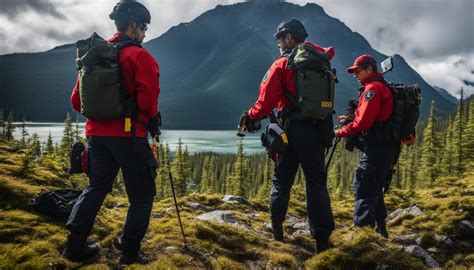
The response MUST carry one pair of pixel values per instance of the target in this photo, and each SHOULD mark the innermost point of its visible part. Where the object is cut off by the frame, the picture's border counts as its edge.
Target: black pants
(369, 179)
(305, 147)
(106, 156)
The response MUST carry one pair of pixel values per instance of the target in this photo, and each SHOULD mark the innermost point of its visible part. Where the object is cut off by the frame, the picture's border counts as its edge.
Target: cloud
(451, 73)
(11, 8)
(432, 35)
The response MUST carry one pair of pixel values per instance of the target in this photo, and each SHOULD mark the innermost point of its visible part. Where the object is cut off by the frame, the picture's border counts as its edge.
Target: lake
(220, 141)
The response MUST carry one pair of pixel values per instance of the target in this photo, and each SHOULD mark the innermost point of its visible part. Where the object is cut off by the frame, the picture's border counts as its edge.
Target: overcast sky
(436, 37)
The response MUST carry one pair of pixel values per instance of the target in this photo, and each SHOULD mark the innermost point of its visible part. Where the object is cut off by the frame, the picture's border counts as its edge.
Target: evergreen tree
(68, 137)
(49, 147)
(430, 149)
(181, 169)
(24, 133)
(468, 139)
(458, 124)
(238, 182)
(10, 128)
(77, 131)
(205, 185)
(35, 145)
(2, 125)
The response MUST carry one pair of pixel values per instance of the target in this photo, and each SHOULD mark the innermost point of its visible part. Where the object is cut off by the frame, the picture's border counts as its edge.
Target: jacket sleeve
(147, 84)
(75, 97)
(270, 90)
(365, 114)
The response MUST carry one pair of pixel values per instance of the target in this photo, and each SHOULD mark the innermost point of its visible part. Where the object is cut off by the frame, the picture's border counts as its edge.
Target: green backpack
(102, 93)
(315, 80)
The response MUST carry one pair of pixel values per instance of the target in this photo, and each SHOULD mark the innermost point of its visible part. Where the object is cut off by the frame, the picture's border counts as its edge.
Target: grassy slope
(28, 240)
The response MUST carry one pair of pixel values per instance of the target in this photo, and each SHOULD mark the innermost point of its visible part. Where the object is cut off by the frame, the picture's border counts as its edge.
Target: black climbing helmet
(132, 11)
(292, 26)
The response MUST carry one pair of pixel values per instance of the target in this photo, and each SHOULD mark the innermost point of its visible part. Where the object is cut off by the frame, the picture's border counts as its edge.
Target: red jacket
(375, 105)
(140, 71)
(271, 92)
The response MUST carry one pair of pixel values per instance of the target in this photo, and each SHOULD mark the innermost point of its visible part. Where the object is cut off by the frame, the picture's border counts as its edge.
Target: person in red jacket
(306, 142)
(373, 110)
(112, 147)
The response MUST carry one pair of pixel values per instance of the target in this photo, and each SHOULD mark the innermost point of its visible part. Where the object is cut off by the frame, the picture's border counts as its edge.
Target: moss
(224, 263)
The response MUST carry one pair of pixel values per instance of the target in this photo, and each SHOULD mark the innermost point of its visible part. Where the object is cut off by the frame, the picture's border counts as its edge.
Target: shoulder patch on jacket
(369, 95)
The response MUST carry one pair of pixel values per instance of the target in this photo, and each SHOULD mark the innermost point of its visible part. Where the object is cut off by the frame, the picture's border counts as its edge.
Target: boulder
(420, 253)
(219, 216)
(465, 228)
(234, 199)
(398, 214)
(445, 240)
(300, 233)
(433, 250)
(197, 206)
(407, 239)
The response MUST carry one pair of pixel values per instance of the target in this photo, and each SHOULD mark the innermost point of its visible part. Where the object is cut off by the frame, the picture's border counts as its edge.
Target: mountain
(210, 67)
(446, 94)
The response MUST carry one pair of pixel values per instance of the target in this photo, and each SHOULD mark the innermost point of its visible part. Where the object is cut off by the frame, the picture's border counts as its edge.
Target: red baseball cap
(361, 61)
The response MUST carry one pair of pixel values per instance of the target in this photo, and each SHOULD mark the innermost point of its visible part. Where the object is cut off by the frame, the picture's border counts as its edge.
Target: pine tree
(180, 167)
(468, 136)
(24, 133)
(205, 185)
(430, 149)
(49, 147)
(238, 182)
(67, 139)
(2, 125)
(10, 128)
(77, 131)
(458, 124)
(35, 145)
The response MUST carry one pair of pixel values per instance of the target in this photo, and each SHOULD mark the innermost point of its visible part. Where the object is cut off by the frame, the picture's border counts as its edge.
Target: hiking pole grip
(176, 203)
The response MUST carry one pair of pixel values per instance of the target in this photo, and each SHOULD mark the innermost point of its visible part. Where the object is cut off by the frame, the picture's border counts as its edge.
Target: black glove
(246, 123)
(154, 125)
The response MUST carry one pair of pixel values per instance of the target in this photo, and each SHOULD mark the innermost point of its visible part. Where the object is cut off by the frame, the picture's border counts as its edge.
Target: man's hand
(336, 132)
(341, 119)
(248, 124)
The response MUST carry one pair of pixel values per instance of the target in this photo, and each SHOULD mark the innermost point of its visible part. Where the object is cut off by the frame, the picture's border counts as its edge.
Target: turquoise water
(221, 141)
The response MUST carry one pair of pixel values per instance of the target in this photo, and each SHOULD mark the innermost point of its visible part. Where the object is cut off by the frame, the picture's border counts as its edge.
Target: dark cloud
(11, 8)
(468, 83)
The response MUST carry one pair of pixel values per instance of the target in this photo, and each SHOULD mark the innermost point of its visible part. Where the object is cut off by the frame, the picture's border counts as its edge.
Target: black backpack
(406, 111)
(77, 157)
(57, 204)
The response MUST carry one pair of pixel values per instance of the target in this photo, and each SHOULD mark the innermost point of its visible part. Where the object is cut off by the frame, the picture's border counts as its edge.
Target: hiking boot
(88, 251)
(322, 244)
(137, 258)
(277, 229)
(118, 243)
(78, 250)
(381, 228)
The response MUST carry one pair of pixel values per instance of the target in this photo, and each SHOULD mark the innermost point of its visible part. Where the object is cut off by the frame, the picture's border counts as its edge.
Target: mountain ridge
(211, 67)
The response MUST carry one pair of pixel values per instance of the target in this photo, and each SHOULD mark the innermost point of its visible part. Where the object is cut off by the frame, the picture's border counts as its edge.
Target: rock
(292, 219)
(268, 227)
(234, 199)
(120, 205)
(433, 250)
(444, 240)
(252, 214)
(398, 214)
(382, 267)
(465, 228)
(219, 216)
(171, 249)
(291, 228)
(420, 253)
(197, 206)
(300, 233)
(408, 239)
(158, 214)
(419, 240)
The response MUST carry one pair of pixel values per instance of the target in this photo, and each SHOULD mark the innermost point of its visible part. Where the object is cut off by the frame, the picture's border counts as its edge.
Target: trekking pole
(332, 152)
(176, 203)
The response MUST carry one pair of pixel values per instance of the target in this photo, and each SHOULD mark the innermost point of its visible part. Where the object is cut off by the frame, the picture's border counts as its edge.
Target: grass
(31, 241)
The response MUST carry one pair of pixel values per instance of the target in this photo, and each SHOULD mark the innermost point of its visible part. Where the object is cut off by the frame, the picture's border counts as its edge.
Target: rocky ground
(429, 228)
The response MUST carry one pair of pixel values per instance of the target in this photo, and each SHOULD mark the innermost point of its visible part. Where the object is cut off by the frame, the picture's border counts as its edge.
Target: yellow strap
(284, 138)
(128, 124)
